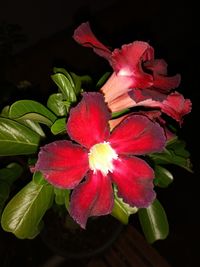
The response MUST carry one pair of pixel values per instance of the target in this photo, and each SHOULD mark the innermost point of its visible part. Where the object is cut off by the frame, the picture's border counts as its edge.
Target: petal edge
(63, 163)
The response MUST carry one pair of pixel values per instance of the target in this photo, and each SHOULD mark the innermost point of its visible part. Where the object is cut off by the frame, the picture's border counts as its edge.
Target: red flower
(138, 78)
(153, 115)
(102, 158)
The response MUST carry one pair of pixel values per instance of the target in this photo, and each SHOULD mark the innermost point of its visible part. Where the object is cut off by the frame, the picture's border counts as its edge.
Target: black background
(172, 29)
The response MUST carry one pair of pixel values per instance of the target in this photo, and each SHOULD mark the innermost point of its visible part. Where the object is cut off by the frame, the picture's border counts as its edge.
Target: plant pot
(65, 238)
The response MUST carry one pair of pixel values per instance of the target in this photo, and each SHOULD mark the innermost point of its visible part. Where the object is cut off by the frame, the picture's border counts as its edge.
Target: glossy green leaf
(65, 86)
(23, 214)
(33, 120)
(57, 104)
(4, 189)
(80, 82)
(35, 126)
(16, 169)
(17, 139)
(77, 83)
(85, 80)
(175, 153)
(179, 148)
(66, 73)
(120, 113)
(163, 178)
(39, 179)
(102, 80)
(62, 196)
(4, 194)
(34, 109)
(5, 111)
(154, 222)
(11, 172)
(59, 126)
(67, 199)
(7, 176)
(36, 117)
(122, 210)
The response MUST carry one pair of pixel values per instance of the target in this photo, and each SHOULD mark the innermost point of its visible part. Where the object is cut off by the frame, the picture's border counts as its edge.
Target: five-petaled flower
(138, 78)
(101, 158)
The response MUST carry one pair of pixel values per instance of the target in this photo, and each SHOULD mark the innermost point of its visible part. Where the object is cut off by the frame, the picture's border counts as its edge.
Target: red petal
(116, 86)
(176, 106)
(137, 135)
(114, 122)
(121, 103)
(62, 163)
(166, 83)
(139, 95)
(161, 81)
(84, 36)
(88, 121)
(134, 179)
(128, 62)
(94, 197)
(152, 115)
(158, 66)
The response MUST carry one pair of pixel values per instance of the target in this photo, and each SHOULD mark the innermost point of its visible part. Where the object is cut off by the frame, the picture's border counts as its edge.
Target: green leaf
(66, 73)
(67, 199)
(102, 80)
(35, 110)
(36, 117)
(77, 83)
(175, 153)
(59, 126)
(17, 139)
(7, 176)
(4, 194)
(122, 210)
(119, 113)
(178, 146)
(154, 222)
(86, 80)
(23, 214)
(81, 81)
(39, 179)
(11, 172)
(32, 120)
(35, 126)
(62, 196)
(163, 178)
(65, 86)
(5, 111)
(57, 104)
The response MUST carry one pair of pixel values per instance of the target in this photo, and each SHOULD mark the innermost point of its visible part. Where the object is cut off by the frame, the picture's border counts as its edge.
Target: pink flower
(138, 78)
(101, 158)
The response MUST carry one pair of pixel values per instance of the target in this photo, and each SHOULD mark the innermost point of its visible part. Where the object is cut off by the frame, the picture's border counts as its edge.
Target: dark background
(170, 27)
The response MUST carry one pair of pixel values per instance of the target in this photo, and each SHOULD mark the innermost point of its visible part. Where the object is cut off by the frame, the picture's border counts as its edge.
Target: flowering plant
(96, 152)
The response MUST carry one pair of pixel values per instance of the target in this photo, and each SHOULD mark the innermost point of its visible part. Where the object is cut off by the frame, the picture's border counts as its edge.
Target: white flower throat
(101, 157)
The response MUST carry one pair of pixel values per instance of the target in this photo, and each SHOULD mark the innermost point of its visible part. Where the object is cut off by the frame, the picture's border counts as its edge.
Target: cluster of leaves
(21, 133)
(153, 219)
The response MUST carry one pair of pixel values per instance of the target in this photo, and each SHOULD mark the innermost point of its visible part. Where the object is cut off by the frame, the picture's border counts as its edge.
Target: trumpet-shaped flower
(100, 157)
(138, 79)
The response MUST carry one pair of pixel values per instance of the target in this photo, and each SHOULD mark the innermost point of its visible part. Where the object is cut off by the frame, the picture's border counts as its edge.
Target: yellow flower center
(101, 158)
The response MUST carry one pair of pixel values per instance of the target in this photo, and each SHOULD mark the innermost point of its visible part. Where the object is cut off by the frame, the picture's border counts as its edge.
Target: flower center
(101, 158)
